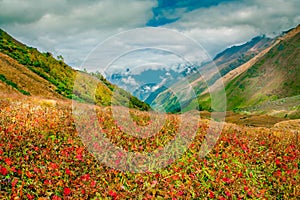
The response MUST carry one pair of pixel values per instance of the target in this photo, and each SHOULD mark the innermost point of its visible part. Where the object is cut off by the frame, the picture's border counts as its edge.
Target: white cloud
(146, 48)
(129, 83)
(71, 28)
(161, 84)
(229, 23)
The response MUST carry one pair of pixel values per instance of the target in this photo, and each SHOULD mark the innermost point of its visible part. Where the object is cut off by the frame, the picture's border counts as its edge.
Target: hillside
(45, 65)
(235, 56)
(26, 71)
(268, 83)
(226, 61)
(42, 157)
(18, 79)
(272, 77)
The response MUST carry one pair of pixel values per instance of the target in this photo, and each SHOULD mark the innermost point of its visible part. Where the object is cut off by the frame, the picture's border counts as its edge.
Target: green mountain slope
(24, 70)
(43, 64)
(18, 79)
(224, 62)
(256, 75)
(274, 76)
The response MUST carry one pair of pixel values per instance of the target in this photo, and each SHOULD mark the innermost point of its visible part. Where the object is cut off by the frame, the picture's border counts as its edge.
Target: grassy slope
(35, 73)
(235, 56)
(43, 157)
(54, 71)
(25, 79)
(274, 76)
(226, 61)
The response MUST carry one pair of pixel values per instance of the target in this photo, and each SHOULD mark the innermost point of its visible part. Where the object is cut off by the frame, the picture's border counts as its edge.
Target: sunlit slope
(274, 76)
(211, 73)
(26, 71)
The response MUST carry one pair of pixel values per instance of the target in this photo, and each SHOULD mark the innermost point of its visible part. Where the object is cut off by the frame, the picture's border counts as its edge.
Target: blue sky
(170, 11)
(73, 27)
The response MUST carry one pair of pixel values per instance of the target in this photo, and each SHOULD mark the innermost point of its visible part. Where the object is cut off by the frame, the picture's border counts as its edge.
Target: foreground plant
(41, 155)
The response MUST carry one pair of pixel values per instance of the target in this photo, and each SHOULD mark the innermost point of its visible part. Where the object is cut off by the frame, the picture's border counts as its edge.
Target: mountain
(19, 80)
(220, 66)
(249, 49)
(148, 82)
(235, 56)
(268, 83)
(272, 77)
(26, 71)
(260, 76)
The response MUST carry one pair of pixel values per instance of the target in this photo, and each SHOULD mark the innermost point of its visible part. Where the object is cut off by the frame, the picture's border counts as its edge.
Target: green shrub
(12, 84)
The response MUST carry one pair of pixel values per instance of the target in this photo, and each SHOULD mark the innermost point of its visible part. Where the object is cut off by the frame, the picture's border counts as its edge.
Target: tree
(60, 58)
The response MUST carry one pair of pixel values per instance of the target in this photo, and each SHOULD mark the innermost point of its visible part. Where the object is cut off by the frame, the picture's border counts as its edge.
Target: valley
(51, 114)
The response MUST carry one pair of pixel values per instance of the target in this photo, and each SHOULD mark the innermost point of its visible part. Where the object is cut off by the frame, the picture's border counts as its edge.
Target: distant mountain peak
(243, 47)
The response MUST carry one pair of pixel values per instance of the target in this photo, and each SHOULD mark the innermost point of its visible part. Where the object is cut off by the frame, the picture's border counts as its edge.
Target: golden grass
(25, 79)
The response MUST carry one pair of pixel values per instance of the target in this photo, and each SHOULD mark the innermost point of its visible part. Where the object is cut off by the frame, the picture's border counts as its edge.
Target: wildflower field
(43, 157)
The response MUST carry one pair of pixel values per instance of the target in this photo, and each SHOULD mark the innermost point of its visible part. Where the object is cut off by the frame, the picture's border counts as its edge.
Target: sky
(72, 28)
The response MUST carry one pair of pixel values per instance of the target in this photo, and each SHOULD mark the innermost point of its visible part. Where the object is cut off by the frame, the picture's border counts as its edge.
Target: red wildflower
(3, 171)
(53, 166)
(244, 147)
(79, 157)
(112, 194)
(8, 161)
(227, 193)
(56, 197)
(93, 183)
(117, 162)
(85, 177)
(192, 176)
(120, 154)
(14, 182)
(28, 174)
(240, 175)
(29, 196)
(250, 174)
(211, 195)
(249, 193)
(68, 172)
(67, 191)
(47, 182)
(13, 169)
(226, 180)
(277, 173)
(277, 161)
(224, 156)
(36, 170)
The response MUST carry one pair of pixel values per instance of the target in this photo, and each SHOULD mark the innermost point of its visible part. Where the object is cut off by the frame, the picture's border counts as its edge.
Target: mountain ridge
(234, 100)
(257, 60)
(275, 74)
(222, 64)
(26, 71)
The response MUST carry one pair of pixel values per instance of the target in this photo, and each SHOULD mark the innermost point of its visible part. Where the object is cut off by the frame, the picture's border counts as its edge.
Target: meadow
(42, 156)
